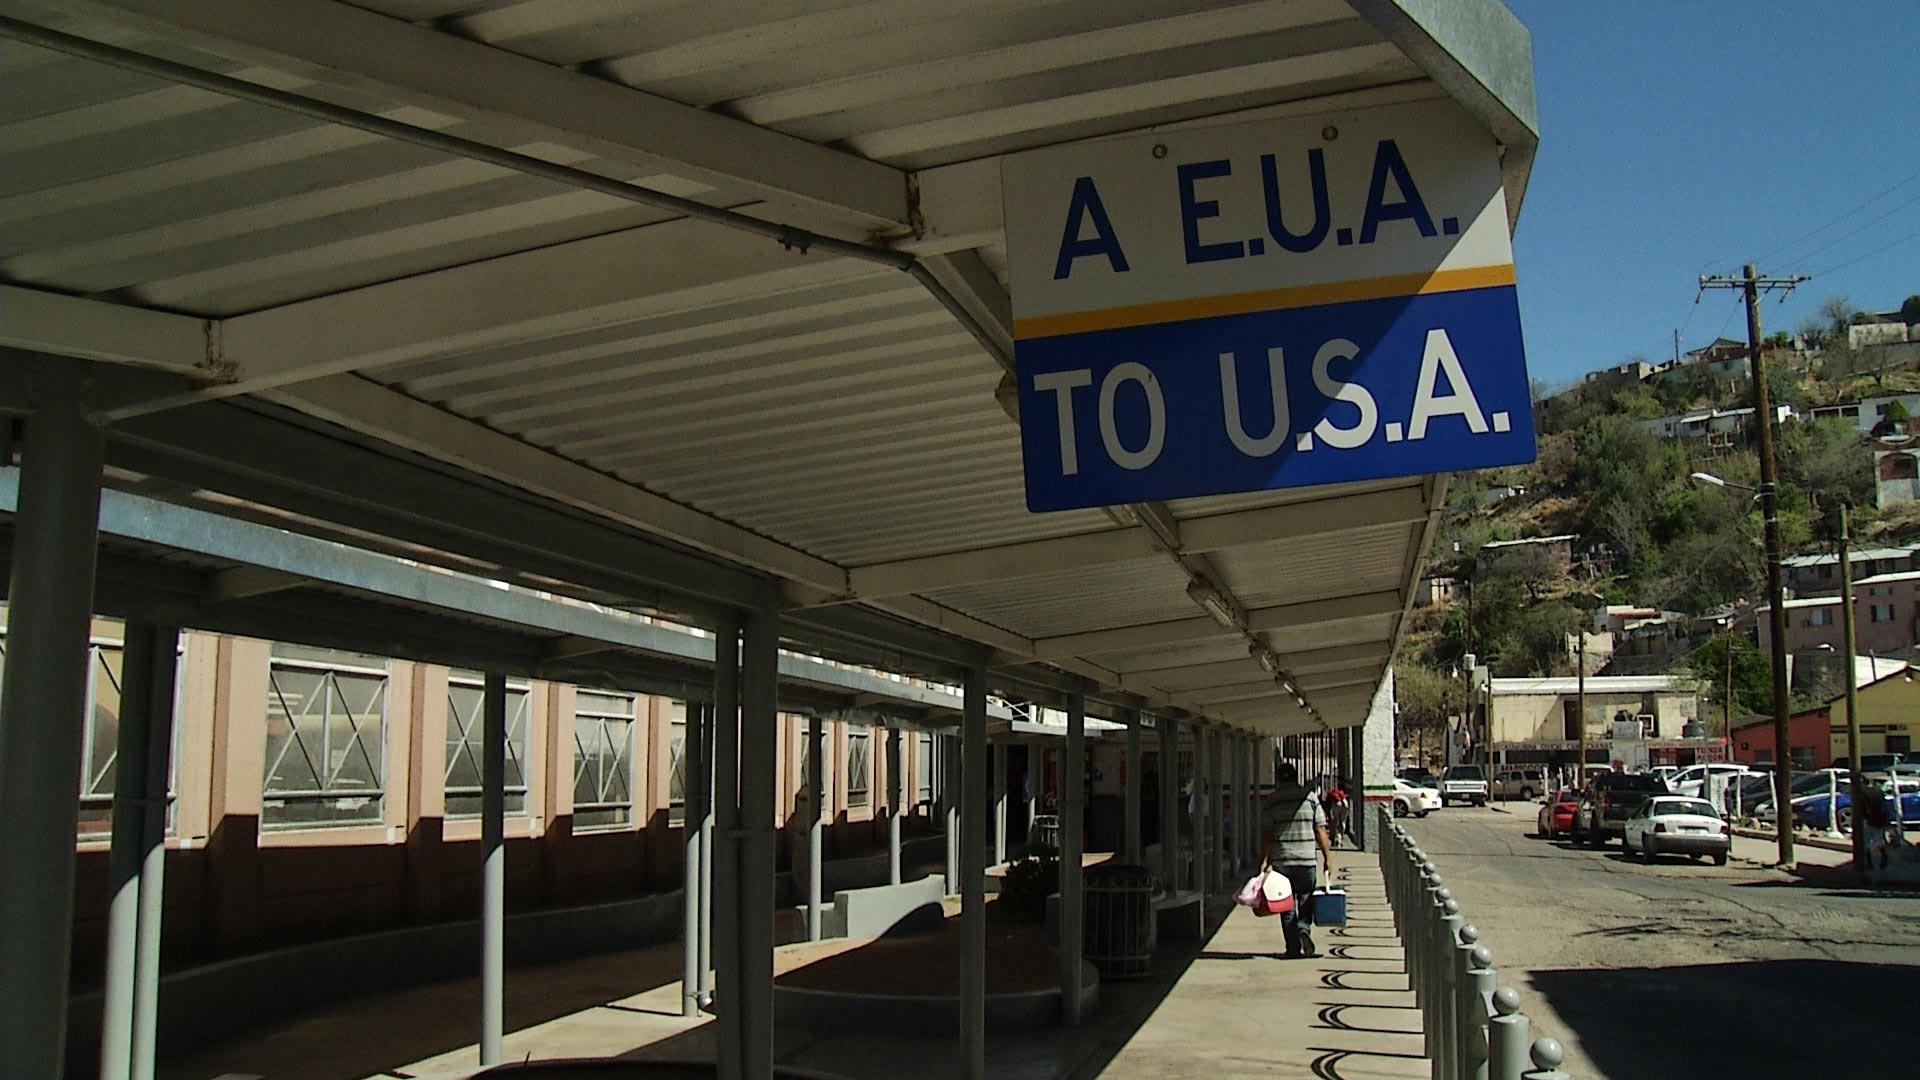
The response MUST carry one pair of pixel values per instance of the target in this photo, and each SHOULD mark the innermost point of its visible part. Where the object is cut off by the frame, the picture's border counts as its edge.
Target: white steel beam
(1175, 631)
(1198, 535)
(566, 288)
(367, 53)
(374, 410)
(115, 333)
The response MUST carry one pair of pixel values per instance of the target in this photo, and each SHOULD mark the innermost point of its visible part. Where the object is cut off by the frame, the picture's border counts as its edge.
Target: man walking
(1292, 826)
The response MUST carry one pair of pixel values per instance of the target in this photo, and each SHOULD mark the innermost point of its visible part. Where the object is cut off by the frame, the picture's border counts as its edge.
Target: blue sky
(1685, 138)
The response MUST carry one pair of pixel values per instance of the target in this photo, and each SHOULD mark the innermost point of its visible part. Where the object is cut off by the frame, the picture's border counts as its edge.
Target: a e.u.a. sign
(1264, 305)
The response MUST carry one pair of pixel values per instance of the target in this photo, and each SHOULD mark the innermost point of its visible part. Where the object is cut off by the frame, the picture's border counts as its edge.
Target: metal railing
(1472, 1026)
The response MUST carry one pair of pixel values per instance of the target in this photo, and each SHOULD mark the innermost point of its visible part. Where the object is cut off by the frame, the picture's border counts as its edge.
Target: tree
(1910, 310)
(1839, 314)
(1429, 699)
(1752, 674)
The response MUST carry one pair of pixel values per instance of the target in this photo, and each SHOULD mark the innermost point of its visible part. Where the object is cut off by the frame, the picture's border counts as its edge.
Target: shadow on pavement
(1732, 1019)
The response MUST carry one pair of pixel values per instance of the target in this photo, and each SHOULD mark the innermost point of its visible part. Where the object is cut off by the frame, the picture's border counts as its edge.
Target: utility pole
(1854, 779)
(1580, 669)
(1752, 284)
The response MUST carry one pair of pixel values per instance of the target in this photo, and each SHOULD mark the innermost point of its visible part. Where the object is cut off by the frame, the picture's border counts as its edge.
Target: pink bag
(1272, 894)
(1250, 891)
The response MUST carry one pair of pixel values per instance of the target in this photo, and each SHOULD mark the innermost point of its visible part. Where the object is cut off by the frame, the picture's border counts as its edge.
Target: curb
(1810, 841)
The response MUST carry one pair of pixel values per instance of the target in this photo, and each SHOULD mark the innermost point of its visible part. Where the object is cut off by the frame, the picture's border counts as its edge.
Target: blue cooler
(1330, 905)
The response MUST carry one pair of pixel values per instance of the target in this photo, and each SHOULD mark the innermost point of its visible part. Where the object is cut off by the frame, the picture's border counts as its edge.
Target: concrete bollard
(1448, 990)
(1507, 1035)
(1476, 998)
(1430, 989)
(1463, 1012)
(1547, 1054)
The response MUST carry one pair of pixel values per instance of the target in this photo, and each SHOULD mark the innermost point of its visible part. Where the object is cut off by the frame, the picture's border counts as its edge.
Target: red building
(1807, 739)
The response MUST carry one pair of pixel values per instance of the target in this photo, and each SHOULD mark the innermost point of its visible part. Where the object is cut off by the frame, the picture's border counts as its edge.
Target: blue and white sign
(1264, 305)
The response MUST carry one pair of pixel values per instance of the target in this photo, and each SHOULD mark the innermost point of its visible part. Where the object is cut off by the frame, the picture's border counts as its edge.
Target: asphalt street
(1683, 969)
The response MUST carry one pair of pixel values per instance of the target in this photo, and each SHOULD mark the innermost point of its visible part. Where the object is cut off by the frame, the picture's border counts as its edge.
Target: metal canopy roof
(458, 275)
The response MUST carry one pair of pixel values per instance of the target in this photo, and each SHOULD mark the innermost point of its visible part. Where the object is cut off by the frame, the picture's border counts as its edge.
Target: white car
(1414, 799)
(1679, 825)
(1688, 781)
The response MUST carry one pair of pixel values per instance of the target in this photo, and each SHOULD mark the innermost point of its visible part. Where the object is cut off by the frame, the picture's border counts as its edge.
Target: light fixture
(1215, 604)
(1707, 478)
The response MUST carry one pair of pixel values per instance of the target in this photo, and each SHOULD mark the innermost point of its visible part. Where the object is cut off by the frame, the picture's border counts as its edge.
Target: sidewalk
(1223, 1008)
(1238, 1011)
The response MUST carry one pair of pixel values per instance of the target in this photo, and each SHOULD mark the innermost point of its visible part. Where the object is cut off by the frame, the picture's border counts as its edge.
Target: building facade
(1540, 721)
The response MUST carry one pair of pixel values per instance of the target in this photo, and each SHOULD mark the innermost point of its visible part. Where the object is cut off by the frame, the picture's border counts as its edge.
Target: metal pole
(493, 875)
(816, 819)
(43, 717)
(895, 788)
(950, 793)
(1072, 791)
(146, 723)
(1776, 590)
(998, 805)
(1580, 669)
(704, 972)
(1169, 805)
(973, 894)
(1856, 780)
(1216, 807)
(690, 814)
(759, 724)
(1131, 790)
(729, 996)
(165, 649)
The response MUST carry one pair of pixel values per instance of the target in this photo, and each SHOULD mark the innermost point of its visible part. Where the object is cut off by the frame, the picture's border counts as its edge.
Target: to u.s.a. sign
(1264, 305)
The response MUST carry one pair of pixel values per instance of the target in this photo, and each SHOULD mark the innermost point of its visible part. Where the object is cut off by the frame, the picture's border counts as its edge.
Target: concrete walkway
(1226, 1007)
(1239, 1011)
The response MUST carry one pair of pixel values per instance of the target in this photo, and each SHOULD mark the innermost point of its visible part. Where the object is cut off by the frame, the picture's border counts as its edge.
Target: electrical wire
(1903, 182)
(1861, 258)
(1860, 228)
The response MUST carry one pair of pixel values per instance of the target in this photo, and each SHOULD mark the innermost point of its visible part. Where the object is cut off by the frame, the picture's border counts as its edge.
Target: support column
(136, 862)
(493, 874)
(1202, 820)
(973, 895)
(692, 780)
(1072, 913)
(1131, 790)
(43, 716)
(153, 862)
(896, 793)
(729, 994)
(1169, 805)
(816, 817)
(1237, 800)
(997, 806)
(759, 732)
(704, 930)
(1216, 825)
(950, 795)
(1036, 777)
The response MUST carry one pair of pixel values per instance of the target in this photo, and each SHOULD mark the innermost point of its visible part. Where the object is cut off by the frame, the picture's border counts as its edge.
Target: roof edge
(1482, 55)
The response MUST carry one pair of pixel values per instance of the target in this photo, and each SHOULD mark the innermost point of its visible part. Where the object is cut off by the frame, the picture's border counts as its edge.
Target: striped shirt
(1289, 817)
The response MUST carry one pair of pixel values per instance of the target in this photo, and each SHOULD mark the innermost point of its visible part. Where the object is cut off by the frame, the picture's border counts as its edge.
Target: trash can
(1119, 924)
(1046, 832)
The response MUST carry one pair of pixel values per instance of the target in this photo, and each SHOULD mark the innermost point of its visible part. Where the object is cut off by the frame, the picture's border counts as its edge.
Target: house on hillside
(1862, 335)
(1720, 429)
(1535, 556)
(1896, 471)
(1819, 575)
(1886, 610)
(1726, 358)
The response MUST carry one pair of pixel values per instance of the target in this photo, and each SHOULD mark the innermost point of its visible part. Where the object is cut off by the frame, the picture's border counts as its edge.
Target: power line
(1903, 182)
(1859, 258)
(1861, 227)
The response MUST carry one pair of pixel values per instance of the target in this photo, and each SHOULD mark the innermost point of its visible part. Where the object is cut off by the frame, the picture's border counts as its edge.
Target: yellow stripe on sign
(1298, 296)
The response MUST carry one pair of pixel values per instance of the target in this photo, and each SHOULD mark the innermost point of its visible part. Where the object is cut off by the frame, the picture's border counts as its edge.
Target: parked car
(1417, 800)
(1463, 783)
(1872, 762)
(1679, 825)
(1615, 797)
(1691, 780)
(1556, 814)
(1523, 783)
(1663, 773)
(1810, 811)
(1805, 785)
(1419, 777)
